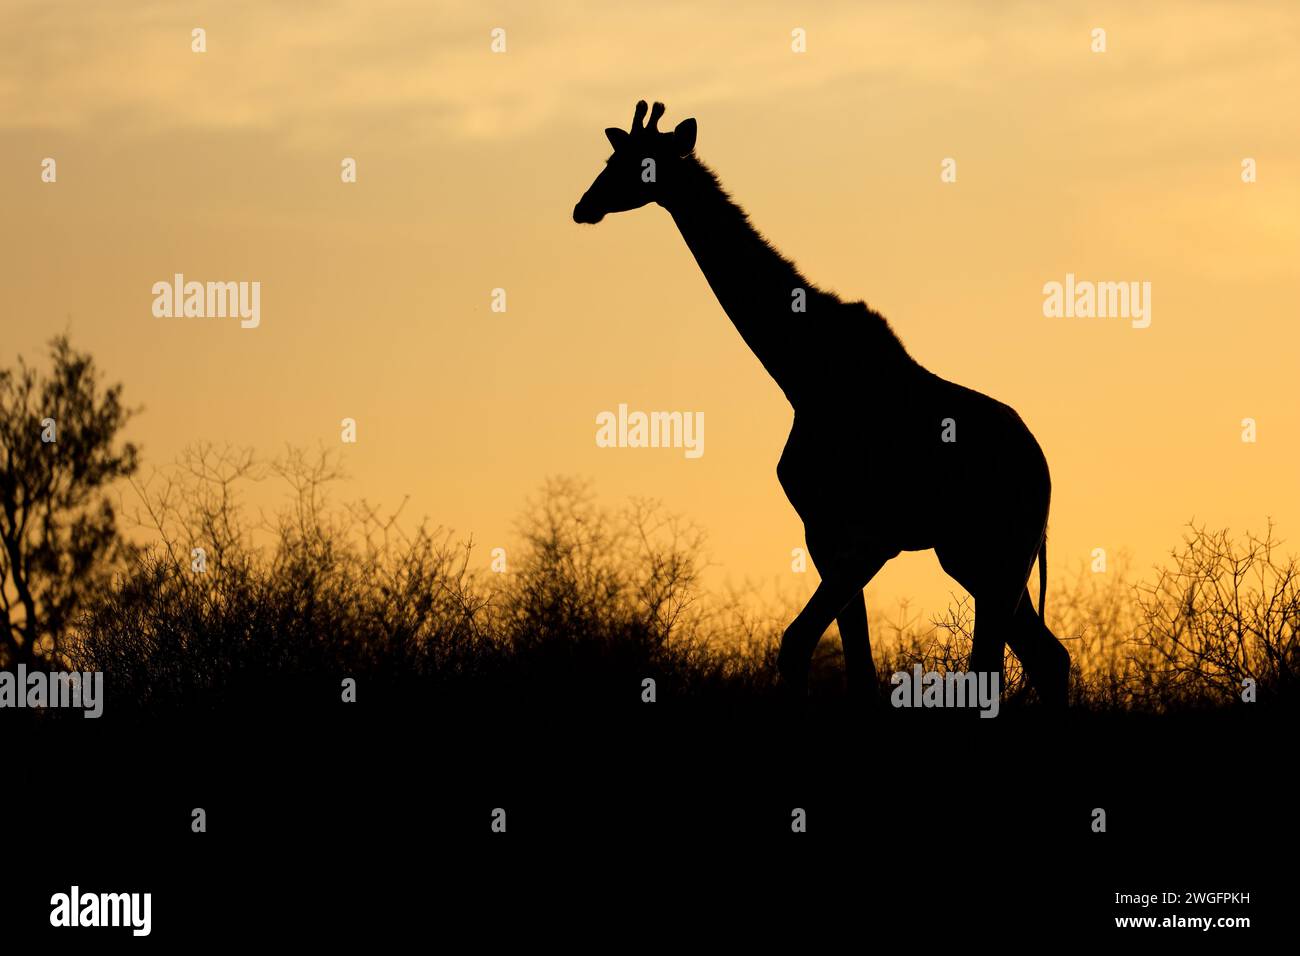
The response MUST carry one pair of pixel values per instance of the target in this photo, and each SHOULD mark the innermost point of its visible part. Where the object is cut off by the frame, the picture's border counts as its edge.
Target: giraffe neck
(803, 350)
(754, 284)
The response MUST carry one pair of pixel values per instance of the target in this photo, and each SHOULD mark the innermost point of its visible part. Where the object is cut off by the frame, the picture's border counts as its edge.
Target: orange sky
(225, 165)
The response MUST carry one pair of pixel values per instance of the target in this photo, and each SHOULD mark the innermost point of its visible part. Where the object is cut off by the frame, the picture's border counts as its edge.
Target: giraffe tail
(1042, 579)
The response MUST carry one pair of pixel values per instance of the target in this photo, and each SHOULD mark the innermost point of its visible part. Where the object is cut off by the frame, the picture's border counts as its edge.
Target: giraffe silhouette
(884, 456)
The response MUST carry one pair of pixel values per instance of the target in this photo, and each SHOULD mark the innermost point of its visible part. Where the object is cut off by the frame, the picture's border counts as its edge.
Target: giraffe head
(643, 167)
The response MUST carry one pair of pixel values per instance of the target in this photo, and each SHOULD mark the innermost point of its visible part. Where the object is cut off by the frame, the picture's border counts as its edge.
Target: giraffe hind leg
(1041, 654)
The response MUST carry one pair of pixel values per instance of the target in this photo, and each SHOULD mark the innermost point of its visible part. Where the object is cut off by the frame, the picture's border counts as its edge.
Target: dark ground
(661, 824)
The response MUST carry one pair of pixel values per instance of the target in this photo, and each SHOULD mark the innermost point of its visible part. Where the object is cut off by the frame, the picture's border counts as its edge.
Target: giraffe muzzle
(586, 215)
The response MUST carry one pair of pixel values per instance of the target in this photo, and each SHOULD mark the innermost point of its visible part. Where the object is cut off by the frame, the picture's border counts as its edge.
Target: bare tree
(1225, 612)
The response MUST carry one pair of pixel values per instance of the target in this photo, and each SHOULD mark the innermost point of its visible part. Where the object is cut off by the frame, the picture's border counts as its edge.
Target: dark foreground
(650, 824)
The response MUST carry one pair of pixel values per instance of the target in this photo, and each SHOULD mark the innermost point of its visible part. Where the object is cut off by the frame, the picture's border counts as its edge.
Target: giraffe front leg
(800, 639)
(855, 636)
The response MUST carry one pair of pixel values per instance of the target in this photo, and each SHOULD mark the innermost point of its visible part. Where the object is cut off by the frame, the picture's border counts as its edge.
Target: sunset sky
(225, 165)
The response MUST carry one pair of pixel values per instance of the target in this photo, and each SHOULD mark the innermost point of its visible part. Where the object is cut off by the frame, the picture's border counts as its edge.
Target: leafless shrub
(1225, 612)
(594, 602)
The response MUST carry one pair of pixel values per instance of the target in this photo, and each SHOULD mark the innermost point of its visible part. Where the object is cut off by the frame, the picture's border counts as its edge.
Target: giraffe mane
(873, 317)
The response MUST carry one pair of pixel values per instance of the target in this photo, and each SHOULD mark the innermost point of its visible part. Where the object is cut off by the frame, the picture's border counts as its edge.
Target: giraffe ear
(617, 137)
(684, 137)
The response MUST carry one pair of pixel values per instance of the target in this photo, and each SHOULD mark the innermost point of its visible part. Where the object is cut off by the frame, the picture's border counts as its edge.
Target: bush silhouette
(58, 528)
(594, 603)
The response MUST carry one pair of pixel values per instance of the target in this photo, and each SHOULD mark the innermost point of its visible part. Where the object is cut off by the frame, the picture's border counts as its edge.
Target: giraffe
(884, 456)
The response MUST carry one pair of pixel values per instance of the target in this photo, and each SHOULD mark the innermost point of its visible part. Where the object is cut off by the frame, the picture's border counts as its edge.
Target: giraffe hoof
(865, 695)
(793, 677)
